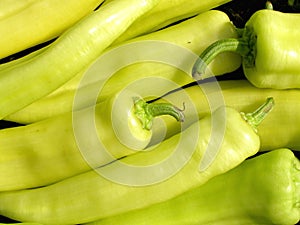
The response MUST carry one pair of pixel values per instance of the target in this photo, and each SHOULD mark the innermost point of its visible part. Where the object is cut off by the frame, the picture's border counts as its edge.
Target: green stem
(256, 117)
(240, 31)
(146, 112)
(239, 46)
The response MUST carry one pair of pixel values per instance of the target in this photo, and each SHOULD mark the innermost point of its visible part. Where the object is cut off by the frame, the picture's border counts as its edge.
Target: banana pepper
(215, 25)
(176, 165)
(165, 13)
(54, 17)
(69, 54)
(247, 99)
(51, 150)
(270, 48)
(262, 190)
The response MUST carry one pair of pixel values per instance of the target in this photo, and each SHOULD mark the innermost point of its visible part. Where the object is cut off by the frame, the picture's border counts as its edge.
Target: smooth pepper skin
(165, 13)
(51, 150)
(270, 48)
(54, 18)
(215, 25)
(96, 197)
(274, 41)
(243, 96)
(69, 54)
(262, 190)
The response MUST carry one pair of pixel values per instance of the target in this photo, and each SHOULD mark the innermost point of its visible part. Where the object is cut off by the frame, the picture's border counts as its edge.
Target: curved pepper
(270, 49)
(214, 25)
(242, 96)
(126, 119)
(20, 29)
(48, 151)
(165, 13)
(262, 190)
(95, 196)
(72, 52)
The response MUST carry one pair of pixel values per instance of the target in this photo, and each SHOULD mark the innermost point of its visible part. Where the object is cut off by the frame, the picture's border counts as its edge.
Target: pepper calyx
(146, 112)
(249, 56)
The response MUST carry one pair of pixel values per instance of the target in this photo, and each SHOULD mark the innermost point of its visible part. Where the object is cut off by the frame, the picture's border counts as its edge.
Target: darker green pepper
(270, 48)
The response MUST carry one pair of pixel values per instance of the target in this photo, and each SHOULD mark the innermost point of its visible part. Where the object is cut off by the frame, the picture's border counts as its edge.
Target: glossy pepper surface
(270, 49)
(165, 13)
(54, 17)
(98, 196)
(242, 96)
(262, 190)
(215, 25)
(73, 51)
(51, 150)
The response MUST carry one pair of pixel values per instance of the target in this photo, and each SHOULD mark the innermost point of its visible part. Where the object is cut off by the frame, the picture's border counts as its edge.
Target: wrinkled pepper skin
(262, 190)
(39, 154)
(274, 43)
(46, 152)
(51, 150)
(51, 204)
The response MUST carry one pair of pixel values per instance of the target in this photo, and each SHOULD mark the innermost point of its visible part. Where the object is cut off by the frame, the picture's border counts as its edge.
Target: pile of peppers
(150, 112)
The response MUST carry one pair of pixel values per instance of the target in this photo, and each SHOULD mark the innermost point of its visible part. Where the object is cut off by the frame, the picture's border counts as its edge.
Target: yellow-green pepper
(270, 49)
(20, 29)
(165, 13)
(73, 51)
(214, 24)
(262, 190)
(178, 164)
(242, 96)
(48, 151)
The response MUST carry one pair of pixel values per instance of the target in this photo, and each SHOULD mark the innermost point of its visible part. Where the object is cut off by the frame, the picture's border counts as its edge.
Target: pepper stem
(146, 112)
(256, 117)
(239, 46)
